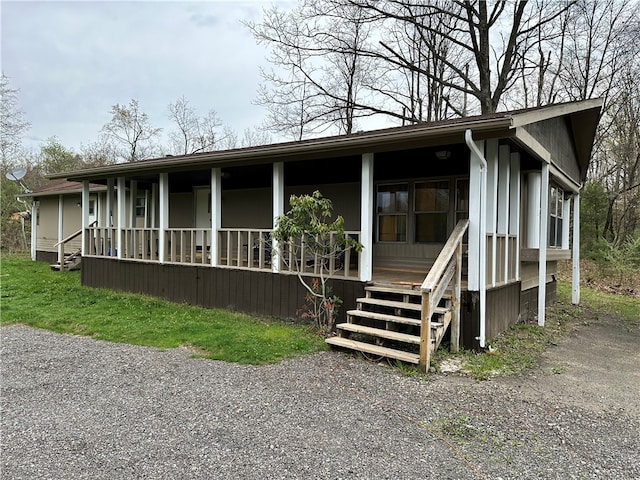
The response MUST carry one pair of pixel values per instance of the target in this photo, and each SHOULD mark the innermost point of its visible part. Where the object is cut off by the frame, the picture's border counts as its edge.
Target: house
(462, 221)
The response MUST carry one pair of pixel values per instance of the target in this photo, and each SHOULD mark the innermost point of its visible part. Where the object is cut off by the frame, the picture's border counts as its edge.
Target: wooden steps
(387, 322)
(374, 349)
(70, 262)
(377, 332)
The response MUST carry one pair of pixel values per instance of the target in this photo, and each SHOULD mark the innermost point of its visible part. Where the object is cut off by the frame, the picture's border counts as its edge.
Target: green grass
(31, 294)
(623, 306)
(520, 347)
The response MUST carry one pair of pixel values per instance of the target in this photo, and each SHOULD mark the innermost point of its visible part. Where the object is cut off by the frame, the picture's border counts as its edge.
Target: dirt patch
(596, 366)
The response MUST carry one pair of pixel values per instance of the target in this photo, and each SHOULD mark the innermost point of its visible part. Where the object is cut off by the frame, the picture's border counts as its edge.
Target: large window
(393, 207)
(431, 207)
(556, 206)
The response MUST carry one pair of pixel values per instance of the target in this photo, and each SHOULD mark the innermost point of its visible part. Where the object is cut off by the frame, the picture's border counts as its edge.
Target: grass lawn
(32, 294)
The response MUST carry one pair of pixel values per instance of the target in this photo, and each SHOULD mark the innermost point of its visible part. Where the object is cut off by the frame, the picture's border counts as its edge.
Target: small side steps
(70, 262)
(387, 323)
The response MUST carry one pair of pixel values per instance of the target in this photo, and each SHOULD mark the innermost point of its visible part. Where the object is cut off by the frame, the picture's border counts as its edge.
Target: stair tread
(378, 332)
(398, 290)
(385, 317)
(374, 349)
(390, 303)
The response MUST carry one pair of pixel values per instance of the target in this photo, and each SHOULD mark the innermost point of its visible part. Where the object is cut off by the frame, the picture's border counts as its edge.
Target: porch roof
(583, 117)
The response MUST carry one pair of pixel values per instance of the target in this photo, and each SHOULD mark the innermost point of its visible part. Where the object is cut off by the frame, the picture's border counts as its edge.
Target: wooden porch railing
(101, 241)
(61, 244)
(188, 245)
(245, 248)
(140, 243)
(446, 270)
(296, 259)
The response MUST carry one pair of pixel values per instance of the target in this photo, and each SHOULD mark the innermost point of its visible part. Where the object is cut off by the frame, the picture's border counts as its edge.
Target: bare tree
(318, 72)
(131, 131)
(13, 124)
(193, 134)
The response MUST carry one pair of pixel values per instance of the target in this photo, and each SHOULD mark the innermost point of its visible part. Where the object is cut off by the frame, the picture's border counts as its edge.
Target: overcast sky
(73, 60)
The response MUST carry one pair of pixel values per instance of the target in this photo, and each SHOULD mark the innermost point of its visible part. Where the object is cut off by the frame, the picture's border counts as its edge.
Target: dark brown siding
(469, 320)
(48, 257)
(503, 309)
(260, 293)
(529, 301)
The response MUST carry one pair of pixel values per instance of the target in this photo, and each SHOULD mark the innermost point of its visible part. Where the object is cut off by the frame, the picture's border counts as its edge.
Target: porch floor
(403, 277)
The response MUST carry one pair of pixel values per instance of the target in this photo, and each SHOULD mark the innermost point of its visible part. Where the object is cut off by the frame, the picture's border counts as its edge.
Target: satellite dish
(17, 174)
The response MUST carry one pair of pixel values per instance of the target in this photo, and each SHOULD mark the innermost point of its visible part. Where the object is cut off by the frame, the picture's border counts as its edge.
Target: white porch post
(216, 214)
(278, 209)
(34, 229)
(366, 218)
(542, 257)
(60, 229)
(514, 208)
(504, 177)
(491, 155)
(163, 217)
(575, 278)
(121, 200)
(534, 180)
(566, 221)
(85, 216)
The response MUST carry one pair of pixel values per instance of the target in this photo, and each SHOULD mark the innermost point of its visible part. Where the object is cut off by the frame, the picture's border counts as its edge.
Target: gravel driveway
(76, 408)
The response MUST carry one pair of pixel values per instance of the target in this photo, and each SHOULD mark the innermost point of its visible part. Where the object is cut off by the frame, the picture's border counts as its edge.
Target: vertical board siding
(503, 309)
(260, 293)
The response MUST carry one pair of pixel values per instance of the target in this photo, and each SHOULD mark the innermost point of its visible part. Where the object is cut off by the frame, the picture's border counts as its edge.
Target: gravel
(74, 407)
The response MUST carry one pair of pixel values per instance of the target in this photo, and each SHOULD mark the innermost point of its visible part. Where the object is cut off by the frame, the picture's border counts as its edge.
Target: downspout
(482, 269)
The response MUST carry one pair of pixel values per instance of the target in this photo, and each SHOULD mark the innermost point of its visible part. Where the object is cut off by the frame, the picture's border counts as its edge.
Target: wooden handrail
(446, 268)
(75, 234)
(446, 254)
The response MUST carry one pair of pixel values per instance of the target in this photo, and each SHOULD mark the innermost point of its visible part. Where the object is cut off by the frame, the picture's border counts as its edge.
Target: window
(92, 208)
(140, 205)
(556, 206)
(431, 207)
(393, 207)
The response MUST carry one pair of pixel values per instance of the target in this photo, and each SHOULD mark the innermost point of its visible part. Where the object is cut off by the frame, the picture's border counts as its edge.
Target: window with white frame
(140, 205)
(556, 207)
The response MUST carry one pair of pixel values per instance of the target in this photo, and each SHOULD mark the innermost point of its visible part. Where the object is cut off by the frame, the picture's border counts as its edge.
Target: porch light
(443, 154)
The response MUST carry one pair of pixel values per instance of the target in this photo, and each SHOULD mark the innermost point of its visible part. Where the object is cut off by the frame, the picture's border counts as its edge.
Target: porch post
(278, 209)
(121, 199)
(366, 218)
(534, 188)
(85, 216)
(566, 220)
(504, 177)
(514, 209)
(542, 257)
(216, 214)
(163, 217)
(491, 156)
(34, 229)
(575, 258)
(60, 230)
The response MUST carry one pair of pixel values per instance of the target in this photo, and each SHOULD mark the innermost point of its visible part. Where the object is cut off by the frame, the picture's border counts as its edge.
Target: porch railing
(297, 258)
(245, 248)
(237, 248)
(140, 243)
(505, 261)
(446, 272)
(188, 245)
(101, 241)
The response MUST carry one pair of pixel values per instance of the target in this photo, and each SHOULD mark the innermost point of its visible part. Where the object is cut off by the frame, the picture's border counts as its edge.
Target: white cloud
(73, 60)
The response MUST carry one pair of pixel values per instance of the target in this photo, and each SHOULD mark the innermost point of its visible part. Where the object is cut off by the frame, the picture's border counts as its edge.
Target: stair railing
(61, 244)
(446, 268)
